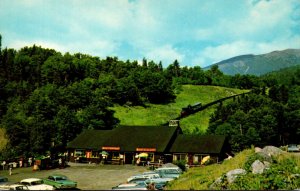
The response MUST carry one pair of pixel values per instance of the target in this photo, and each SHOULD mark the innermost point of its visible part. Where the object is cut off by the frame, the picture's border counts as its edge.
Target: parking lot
(88, 176)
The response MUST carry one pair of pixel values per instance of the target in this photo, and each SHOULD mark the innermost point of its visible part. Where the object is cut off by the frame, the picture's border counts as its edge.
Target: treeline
(265, 117)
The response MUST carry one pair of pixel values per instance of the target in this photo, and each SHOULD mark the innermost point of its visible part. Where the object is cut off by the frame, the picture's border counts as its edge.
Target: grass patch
(157, 114)
(200, 178)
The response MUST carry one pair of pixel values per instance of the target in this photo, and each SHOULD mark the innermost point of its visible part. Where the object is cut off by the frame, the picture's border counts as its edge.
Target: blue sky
(195, 32)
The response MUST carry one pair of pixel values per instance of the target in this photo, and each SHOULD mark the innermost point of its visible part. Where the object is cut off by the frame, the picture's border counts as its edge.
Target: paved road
(88, 176)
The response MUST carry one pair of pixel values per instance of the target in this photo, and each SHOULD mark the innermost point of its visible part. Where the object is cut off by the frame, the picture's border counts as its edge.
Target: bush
(181, 164)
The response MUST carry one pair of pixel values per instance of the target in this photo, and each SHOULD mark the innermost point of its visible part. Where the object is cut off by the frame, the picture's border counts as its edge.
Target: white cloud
(261, 21)
(214, 54)
(159, 30)
(101, 48)
(167, 54)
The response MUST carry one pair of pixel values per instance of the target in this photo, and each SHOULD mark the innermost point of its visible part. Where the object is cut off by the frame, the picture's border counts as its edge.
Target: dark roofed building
(125, 143)
(129, 138)
(194, 147)
(90, 139)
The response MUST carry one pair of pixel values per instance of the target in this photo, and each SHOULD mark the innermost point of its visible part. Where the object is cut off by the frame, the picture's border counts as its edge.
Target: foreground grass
(200, 178)
(157, 114)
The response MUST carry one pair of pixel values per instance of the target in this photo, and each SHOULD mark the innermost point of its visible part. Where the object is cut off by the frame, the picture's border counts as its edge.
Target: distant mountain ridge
(259, 64)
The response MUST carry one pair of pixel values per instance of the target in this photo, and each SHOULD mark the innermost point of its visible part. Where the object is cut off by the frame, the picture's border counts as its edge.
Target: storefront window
(179, 156)
(198, 158)
(95, 154)
(79, 153)
(151, 157)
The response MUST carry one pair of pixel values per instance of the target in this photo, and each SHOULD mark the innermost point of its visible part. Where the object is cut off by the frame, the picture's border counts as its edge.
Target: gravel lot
(88, 176)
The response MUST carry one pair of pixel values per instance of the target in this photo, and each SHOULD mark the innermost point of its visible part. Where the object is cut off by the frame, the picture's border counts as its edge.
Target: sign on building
(111, 148)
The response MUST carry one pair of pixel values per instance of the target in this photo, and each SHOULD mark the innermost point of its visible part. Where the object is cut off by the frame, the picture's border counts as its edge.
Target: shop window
(79, 153)
(179, 156)
(95, 154)
(151, 157)
(198, 158)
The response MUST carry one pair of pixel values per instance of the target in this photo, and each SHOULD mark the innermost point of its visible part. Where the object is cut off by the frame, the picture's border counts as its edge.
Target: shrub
(282, 175)
(181, 164)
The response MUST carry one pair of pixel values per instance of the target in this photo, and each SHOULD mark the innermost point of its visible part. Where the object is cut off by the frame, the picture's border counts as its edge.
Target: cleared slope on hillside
(155, 114)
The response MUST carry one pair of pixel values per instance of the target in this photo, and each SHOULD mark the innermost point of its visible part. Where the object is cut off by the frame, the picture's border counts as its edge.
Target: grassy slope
(200, 178)
(160, 114)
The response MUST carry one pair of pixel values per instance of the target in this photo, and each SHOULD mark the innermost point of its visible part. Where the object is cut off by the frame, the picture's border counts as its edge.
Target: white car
(169, 172)
(129, 186)
(13, 187)
(146, 175)
(36, 184)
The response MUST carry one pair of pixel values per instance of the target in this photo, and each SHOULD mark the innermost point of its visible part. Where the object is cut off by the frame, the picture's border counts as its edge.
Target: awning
(205, 159)
(104, 153)
(143, 155)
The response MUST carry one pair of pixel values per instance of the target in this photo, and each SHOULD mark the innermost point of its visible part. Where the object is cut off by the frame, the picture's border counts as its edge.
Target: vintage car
(60, 182)
(293, 148)
(13, 187)
(3, 180)
(35, 184)
(146, 175)
(138, 180)
(163, 181)
(130, 186)
(169, 172)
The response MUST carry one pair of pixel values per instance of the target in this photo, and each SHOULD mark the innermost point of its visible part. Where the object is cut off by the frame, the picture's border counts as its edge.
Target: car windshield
(2, 179)
(169, 171)
(61, 178)
(37, 182)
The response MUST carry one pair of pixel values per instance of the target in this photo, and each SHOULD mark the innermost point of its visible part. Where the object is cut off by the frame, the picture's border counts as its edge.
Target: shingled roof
(206, 144)
(90, 139)
(128, 138)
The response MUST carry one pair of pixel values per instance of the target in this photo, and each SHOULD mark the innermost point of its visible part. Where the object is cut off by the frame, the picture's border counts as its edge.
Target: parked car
(139, 181)
(36, 184)
(3, 180)
(150, 175)
(293, 148)
(60, 182)
(129, 186)
(169, 172)
(13, 187)
(158, 180)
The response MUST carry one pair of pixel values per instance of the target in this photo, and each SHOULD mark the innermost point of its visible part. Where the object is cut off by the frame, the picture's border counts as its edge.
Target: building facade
(141, 144)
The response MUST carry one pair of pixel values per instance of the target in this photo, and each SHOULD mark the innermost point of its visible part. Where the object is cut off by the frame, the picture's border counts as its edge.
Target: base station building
(127, 144)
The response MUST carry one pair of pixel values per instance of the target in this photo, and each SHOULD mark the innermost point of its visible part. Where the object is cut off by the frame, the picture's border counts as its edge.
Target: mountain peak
(260, 64)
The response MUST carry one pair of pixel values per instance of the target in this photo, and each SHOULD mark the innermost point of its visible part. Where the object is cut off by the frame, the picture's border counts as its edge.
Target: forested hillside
(47, 97)
(264, 117)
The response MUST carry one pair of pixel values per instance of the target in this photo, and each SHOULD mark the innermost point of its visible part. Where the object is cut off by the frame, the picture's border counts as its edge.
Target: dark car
(3, 180)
